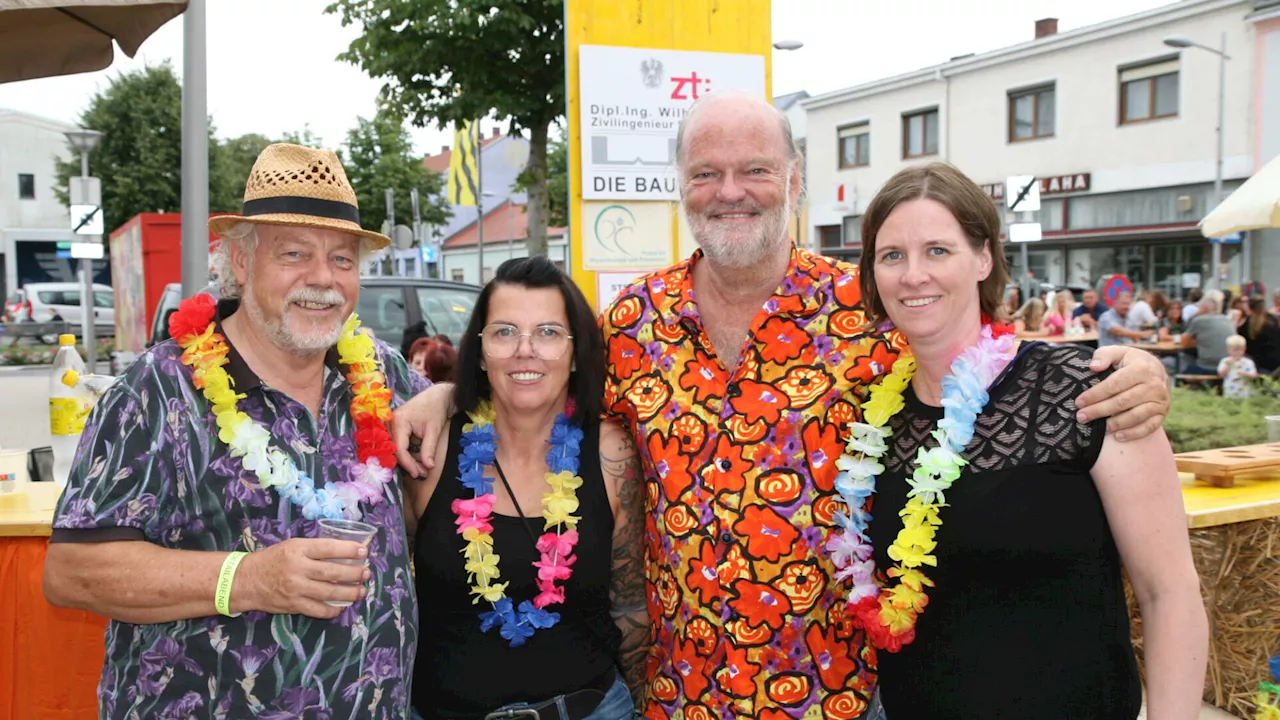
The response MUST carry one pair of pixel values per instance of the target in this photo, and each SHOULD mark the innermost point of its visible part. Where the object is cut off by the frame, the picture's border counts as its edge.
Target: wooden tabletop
(1164, 347)
(1253, 497)
(29, 512)
(1083, 338)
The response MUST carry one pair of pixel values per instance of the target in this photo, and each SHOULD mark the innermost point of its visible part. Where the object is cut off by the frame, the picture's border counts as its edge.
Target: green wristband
(222, 595)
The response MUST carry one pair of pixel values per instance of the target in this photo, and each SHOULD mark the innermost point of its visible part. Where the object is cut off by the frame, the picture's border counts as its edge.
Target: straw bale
(1239, 568)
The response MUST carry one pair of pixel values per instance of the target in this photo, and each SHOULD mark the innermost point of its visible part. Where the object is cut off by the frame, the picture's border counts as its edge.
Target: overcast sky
(272, 67)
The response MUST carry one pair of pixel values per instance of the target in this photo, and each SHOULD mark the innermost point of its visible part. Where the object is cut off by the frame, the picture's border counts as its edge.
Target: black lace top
(1028, 619)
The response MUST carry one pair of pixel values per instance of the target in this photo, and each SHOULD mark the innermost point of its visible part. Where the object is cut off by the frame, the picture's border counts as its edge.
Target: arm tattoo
(621, 465)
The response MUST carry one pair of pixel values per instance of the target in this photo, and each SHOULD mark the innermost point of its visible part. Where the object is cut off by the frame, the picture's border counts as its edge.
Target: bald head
(733, 112)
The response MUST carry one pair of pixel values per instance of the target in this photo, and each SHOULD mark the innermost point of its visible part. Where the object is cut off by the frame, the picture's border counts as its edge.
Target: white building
(32, 220)
(1119, 127)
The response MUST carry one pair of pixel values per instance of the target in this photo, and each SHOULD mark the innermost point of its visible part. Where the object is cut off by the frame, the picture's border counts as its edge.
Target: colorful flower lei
(206, 352)
(889, 614)
(475, 516)
(1268, 697)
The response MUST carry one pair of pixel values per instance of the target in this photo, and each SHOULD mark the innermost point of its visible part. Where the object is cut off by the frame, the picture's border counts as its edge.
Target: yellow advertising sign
(676, 51)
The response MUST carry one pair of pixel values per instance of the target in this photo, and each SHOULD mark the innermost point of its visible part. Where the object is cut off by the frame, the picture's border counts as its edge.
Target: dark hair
(586, 383)
(1159, 302)
(412, 334)
(970, 206)
(1258, 317)
(1195, 295)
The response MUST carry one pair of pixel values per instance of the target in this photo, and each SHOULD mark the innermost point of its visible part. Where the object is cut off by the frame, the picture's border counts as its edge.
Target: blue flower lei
(479, 448)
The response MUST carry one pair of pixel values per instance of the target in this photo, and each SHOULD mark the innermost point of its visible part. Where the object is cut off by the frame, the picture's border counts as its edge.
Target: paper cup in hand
(351, 531)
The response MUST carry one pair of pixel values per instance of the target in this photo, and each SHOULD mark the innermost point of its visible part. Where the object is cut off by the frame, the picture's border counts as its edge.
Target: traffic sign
(86, 220)
(87, 251)
(429, 253)
(62, 254)
(1022, 193)
(1025, 232)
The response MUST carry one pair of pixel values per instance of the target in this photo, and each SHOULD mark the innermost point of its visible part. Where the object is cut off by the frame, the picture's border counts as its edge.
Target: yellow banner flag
(464, 176)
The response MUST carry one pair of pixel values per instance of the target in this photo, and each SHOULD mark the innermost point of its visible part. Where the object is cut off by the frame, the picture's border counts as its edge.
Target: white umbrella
(1256, 204)
(40, 38)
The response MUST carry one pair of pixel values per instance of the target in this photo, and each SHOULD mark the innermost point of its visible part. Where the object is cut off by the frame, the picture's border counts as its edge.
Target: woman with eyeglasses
(529, 536)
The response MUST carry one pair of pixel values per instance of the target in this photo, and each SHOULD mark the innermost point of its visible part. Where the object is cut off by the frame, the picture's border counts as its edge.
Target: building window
(829, 236)
(26, 186)
(1031, 113)
(1149, 91)
(855, 146)
(920, 134)
(458, 275)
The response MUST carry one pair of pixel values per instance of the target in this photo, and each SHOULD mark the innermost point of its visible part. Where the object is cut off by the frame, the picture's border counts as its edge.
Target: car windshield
(447, 310)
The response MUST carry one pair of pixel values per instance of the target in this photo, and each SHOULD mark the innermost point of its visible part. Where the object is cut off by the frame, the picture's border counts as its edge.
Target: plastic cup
(352, 531)
(1273, 428)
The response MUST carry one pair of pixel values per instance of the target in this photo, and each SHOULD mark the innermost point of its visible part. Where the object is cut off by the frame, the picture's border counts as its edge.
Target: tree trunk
(538, 209)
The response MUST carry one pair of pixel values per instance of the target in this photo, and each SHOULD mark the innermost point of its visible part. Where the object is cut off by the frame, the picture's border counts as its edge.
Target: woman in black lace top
(1027, 617)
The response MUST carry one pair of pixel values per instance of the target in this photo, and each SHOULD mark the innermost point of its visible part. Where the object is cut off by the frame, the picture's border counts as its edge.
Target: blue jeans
(876, 711)
(616, 705)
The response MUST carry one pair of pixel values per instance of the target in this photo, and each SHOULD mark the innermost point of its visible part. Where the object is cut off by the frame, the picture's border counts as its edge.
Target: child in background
(1236, 370)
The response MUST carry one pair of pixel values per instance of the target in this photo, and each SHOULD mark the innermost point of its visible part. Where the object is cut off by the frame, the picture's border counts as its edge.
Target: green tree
(557, 182)
(139, 158)
(306, 138)
(238, 156)
(448, 61)
(379, 155)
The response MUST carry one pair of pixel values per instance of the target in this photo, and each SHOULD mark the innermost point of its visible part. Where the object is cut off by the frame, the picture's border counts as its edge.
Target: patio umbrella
(40, 38)
(1256, 204)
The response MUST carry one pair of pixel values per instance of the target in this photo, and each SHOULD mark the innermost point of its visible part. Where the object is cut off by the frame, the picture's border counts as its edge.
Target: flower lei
(889, 614)
(1268, 697)
(206, 352)
(475, 516)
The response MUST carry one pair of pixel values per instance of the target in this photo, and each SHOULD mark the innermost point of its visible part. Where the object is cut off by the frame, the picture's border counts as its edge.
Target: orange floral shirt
(741, 472)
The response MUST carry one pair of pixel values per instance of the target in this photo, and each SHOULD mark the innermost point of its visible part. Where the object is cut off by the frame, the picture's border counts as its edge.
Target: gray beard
(279, 334)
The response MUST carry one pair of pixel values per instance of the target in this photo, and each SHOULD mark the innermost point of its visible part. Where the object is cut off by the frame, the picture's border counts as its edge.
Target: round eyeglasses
(549, 342)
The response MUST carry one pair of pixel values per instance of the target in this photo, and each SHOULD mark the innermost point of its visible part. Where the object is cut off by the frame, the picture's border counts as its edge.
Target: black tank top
(1028, 616)
(463, 673)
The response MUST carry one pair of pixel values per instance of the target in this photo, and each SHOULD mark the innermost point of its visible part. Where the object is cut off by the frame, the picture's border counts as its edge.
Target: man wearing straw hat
(208, 474)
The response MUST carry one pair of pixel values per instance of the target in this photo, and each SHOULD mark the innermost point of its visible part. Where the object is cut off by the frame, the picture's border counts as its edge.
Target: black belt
(577, 704)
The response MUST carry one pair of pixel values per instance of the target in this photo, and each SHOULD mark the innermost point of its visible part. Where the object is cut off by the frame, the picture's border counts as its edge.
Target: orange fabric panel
(50, 658)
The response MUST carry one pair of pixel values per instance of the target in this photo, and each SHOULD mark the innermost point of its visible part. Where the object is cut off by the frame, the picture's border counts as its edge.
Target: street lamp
(1181, 41)
(84, 141)
(788, 45)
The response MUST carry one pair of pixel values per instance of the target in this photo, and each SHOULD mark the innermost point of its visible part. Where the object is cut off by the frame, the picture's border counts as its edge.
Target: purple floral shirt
(150, 467)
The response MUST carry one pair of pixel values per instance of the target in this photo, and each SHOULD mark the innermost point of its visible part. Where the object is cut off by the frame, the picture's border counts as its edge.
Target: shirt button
(726, 536)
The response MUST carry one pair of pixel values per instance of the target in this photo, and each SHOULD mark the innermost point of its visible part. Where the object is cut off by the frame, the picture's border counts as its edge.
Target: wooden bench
(1205, 381)
(16, 331)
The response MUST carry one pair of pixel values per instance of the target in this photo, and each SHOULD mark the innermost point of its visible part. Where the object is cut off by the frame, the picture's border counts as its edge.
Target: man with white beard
(193, 514)
(738, 371)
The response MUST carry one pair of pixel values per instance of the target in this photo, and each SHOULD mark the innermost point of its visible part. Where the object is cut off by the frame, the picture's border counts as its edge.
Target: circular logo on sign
(613, 228)
(1115, 285)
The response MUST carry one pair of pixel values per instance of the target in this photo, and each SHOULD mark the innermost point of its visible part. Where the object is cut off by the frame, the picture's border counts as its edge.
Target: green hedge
(1200, 420)
(43, 354)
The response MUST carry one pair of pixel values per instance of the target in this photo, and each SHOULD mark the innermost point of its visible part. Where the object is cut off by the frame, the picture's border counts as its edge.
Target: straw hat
(295, 185)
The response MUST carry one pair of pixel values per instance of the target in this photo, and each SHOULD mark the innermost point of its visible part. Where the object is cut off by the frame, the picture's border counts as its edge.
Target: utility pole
(195, 152)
